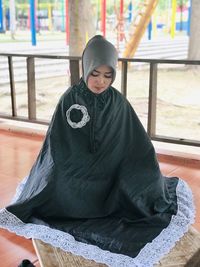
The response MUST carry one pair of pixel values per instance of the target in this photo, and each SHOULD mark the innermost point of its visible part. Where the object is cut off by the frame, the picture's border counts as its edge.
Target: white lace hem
(149, 255)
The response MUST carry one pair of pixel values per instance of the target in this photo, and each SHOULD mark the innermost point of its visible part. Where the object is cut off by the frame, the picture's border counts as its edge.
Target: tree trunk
(81, 25)
(194, 48)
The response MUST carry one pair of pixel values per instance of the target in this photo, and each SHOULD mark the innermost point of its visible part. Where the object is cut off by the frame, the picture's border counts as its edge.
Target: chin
(99, 91)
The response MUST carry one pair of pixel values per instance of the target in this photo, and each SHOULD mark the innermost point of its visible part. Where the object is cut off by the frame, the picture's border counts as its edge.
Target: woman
(96, 189)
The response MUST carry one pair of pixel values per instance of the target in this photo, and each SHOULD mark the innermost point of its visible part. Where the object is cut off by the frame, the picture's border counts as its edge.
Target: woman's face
(100, 79)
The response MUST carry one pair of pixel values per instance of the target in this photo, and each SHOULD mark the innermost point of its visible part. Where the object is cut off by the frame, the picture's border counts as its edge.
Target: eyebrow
(107, 72)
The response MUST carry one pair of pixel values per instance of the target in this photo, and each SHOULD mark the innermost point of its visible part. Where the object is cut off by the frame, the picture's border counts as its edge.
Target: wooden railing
(75, 76)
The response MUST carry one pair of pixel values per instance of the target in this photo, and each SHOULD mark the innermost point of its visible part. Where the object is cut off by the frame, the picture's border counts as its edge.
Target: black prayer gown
(96, 188)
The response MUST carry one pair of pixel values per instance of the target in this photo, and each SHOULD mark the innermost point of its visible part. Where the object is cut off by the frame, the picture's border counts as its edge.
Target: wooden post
(124, 71)
(12, 87)
(74, 71)
(31, 88)
(151, 124)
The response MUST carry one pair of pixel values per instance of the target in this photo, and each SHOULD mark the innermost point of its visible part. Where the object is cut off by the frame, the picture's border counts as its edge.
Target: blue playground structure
(1, 18)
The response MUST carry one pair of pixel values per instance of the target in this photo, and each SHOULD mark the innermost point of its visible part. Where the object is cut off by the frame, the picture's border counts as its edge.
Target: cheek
(90, 83)
(108, 82)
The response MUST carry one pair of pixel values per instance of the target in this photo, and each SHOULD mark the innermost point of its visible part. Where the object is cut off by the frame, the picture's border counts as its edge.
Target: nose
(101, 79)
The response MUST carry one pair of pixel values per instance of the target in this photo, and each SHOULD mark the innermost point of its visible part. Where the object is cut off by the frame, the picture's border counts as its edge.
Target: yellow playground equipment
(139, 26)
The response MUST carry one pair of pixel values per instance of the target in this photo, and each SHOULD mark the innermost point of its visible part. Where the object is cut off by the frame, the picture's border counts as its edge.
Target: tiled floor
(17, 154)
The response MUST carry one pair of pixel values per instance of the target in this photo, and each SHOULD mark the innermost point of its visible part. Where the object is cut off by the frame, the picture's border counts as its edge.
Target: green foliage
(182, 2)
(6, 2)
(163, 4)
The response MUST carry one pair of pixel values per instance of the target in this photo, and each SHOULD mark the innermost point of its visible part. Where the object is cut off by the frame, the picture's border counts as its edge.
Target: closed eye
(95, 73)
(108, 76)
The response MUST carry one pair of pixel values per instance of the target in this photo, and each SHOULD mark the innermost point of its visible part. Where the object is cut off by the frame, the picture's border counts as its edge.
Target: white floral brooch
(84, 120)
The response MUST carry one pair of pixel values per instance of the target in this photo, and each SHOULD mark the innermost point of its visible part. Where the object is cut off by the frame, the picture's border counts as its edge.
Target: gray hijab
(97, 52)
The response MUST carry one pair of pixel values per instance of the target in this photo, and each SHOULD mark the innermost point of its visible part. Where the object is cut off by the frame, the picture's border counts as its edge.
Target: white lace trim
(148, 256)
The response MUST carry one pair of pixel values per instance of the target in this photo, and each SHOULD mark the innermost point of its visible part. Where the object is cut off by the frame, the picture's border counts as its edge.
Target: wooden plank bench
(183, 252)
